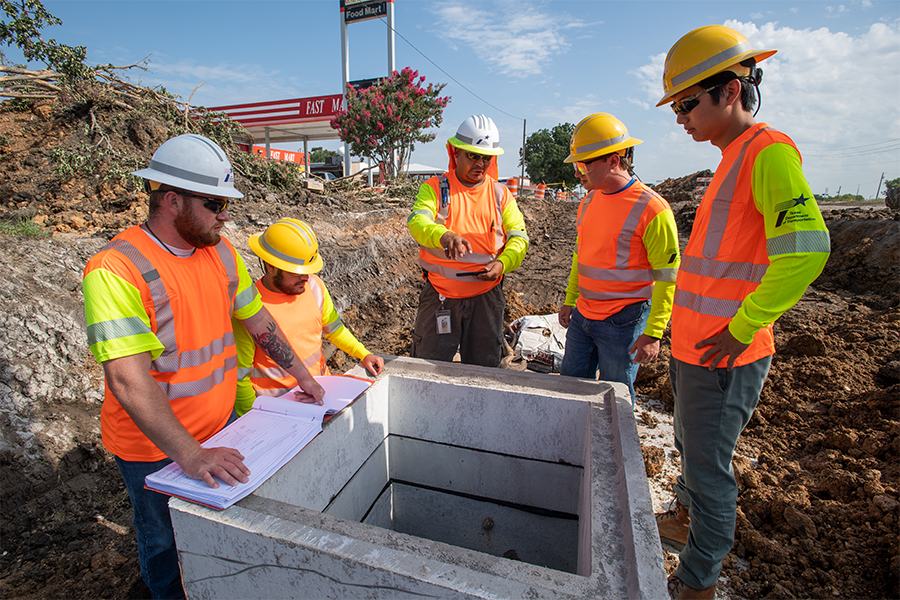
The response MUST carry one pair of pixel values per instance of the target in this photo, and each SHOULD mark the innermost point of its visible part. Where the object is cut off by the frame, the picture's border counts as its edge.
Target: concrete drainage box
(444, 481)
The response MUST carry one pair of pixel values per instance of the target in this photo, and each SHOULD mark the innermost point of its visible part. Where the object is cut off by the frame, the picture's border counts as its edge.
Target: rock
(890, 371)
(653, 459)
(107, 559)
(885, 502)
(800, 522)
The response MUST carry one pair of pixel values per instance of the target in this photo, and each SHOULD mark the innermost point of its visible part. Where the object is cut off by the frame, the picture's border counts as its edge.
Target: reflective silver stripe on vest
(313, 359)
(114, 329)
(622, 275)
(316, 292)
(721, 204)
(187, 389)
(799, 241)
(710, 62)
(165, 321)
(230, 265)
(719, 269)
(645, 292)
(582, 209)
(714, 307)
(516, 233)
(193, 358)
(472, 257)
(244, 372)
(273, 392)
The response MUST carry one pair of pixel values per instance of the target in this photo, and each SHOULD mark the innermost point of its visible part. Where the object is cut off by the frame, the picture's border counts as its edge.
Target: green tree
(391, 117)
(545, 151)
(892, 193)
(22, 28)
(319, 154)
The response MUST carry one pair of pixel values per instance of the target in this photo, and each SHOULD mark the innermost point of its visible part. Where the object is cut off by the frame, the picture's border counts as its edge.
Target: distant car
(327, 176)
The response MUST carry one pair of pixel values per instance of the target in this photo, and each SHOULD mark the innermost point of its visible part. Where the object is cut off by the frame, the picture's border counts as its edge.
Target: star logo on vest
(782, 208)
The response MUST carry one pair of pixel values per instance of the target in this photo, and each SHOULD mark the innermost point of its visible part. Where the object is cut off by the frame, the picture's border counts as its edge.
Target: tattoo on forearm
(280, 352)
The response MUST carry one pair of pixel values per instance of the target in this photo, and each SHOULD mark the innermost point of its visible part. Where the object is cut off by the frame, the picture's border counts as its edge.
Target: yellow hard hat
(290, 245)
(704, 52)
(598, 135)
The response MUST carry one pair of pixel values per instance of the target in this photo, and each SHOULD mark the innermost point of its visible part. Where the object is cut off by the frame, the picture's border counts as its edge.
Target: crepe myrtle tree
(391, 117)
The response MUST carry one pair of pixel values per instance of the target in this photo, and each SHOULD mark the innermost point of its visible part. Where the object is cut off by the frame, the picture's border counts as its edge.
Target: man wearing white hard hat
(470, 233)
(158, 303)
(757, 242)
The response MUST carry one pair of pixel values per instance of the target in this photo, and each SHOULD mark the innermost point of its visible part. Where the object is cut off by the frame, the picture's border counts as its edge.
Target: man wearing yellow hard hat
(619, 295)
(300, 303)
(757, 243)
(470, 233)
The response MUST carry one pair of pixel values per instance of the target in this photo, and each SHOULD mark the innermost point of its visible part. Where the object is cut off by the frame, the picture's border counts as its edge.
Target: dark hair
(749, 84)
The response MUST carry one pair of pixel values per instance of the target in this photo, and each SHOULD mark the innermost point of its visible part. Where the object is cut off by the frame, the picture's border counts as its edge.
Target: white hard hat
(193, 163)
(479, 134)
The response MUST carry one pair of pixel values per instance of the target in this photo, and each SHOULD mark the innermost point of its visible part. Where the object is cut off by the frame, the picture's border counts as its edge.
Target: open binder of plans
(268, 435)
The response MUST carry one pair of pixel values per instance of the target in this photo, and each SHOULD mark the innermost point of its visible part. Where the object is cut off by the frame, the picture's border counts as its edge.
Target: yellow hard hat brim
(695, 78)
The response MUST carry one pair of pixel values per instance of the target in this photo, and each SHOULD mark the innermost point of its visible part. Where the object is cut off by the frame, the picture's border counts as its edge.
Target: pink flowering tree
(390, 117)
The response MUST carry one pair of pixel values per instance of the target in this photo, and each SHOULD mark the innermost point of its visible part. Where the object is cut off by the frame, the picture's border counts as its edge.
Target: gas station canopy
(294, 120)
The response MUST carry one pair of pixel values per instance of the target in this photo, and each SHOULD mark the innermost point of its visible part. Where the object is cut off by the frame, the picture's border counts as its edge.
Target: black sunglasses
(216, 205)
(686, 105)
(479, 157)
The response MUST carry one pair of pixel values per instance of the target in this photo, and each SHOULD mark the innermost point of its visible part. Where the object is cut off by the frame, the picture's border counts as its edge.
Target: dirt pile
(818, 465)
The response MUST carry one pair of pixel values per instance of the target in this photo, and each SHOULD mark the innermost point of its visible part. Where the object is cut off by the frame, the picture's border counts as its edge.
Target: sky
(833, 86)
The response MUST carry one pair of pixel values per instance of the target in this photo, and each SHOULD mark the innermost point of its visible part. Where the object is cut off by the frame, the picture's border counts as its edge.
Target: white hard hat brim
(155, 174)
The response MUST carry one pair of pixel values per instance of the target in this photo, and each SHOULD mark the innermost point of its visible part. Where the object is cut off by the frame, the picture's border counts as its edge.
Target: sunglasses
(216, 205)
(581, 166)
(486, 159)
(686, 105)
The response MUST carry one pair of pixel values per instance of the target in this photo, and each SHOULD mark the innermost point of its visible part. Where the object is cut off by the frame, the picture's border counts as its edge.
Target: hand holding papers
(268, 436)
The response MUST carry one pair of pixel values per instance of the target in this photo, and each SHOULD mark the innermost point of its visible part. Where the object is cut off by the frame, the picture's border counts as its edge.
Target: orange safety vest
(726, 257)
(477, 215)
(189, 302)
(613, 268)
(300, 318)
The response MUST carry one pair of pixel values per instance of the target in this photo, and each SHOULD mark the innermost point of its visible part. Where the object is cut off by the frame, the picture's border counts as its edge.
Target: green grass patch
(23, 228)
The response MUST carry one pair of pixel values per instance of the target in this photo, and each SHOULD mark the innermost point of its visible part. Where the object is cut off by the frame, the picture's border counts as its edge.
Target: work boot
(673, 525)
(679, 591)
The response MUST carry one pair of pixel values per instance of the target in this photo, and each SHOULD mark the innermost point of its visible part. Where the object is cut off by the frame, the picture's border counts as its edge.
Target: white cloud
(828, 90)
(517, 40)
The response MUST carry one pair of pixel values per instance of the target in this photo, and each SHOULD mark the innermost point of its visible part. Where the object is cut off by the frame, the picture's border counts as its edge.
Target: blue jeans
(598, 349)
(712, 408)
(155, 537)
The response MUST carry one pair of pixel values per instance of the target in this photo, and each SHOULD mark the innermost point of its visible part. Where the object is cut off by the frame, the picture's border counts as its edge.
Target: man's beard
(281, 286)
(188, 227)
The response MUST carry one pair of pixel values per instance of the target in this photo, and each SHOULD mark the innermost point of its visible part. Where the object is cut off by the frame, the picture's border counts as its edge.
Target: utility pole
(522, 176)
(879, 185)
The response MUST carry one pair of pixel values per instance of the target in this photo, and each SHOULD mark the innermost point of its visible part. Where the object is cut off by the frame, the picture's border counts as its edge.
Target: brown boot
(679, 591)
(673, 525)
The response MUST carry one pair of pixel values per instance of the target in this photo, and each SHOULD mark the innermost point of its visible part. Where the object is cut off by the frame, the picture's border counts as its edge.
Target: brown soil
(818, 514)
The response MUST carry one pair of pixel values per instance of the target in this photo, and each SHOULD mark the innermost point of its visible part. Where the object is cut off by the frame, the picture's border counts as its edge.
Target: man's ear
(172, 202)
(733, 92)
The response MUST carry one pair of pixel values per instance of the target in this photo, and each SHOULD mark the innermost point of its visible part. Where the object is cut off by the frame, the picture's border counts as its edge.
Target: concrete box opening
(447, 480)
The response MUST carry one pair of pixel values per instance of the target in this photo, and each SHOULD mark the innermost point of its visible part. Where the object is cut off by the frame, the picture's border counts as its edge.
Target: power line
(884, 147)
(448, 74)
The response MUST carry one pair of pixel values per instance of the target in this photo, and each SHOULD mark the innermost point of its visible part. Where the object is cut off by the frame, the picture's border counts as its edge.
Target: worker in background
(619, 295)
(758, 242)
(470, 233)
(158, 302)
(300, 303)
